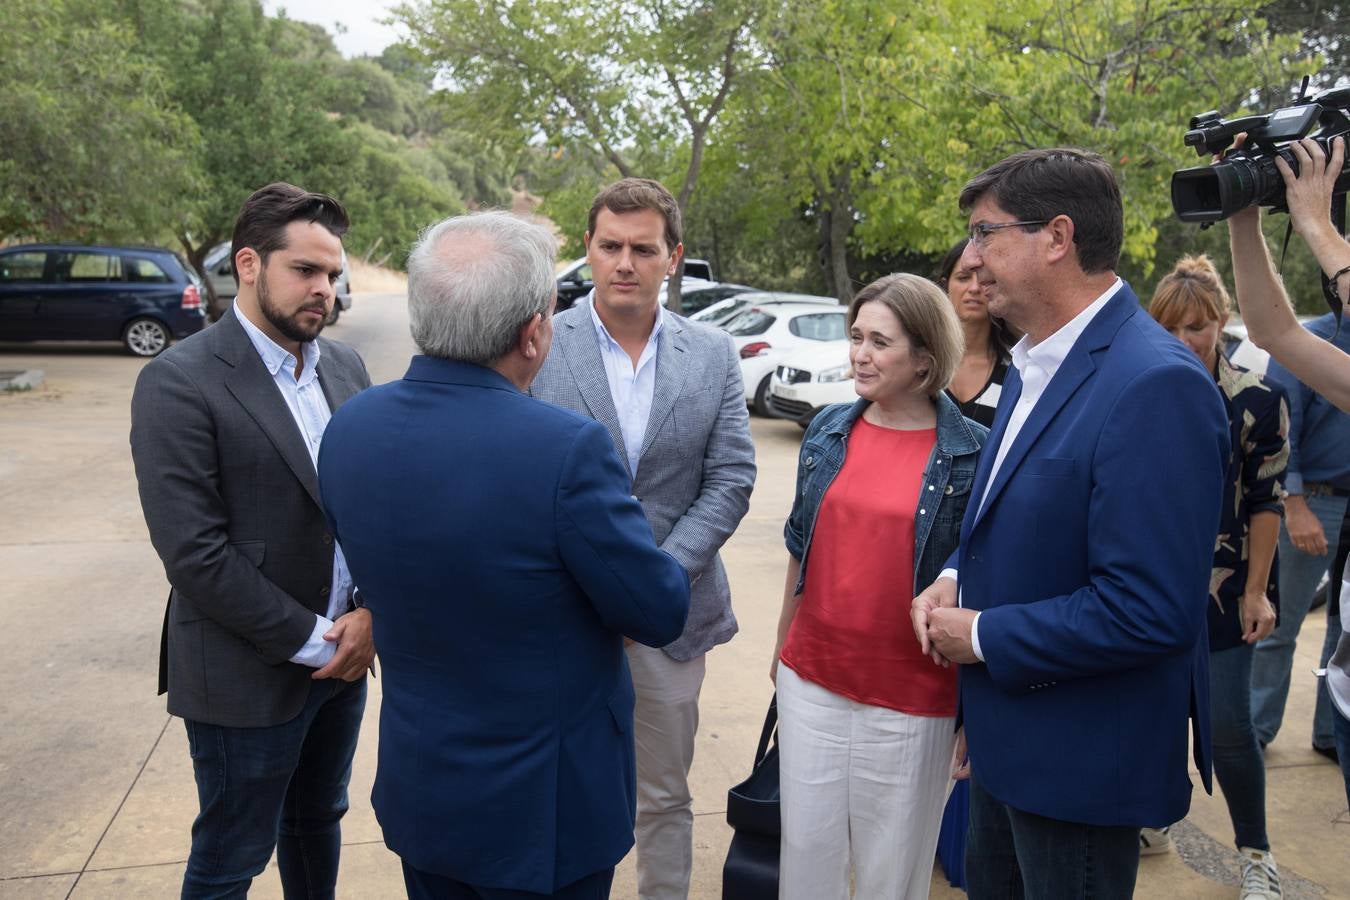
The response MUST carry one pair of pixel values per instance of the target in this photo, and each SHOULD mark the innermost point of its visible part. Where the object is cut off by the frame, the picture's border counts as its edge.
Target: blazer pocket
(253, 551)
(1050, 466)
(692, 418)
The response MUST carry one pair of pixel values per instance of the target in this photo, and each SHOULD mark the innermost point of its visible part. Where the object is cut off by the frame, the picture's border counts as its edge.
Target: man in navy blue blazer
(1076, 600)
(494, 540)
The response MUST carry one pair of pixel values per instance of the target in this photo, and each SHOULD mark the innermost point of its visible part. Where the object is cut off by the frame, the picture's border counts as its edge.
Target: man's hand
(355, 647)
(941, 594)
(1257, 615)
(949, 634)
(1305, 532)
(960, 758)
(1309, 192)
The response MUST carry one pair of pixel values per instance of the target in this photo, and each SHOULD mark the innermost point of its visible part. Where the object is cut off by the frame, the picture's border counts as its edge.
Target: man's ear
(527, 342)
(247, 265)
(675, 259)
(586, 242)
(1060, 229)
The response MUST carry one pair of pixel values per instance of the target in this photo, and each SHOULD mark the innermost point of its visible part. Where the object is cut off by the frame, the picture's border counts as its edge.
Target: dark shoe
(1329, 752)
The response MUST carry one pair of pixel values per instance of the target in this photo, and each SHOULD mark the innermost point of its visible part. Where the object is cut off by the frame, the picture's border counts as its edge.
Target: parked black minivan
(141, 296)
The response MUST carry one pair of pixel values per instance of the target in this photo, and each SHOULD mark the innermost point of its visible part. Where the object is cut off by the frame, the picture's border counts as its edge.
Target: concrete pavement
(95, 778)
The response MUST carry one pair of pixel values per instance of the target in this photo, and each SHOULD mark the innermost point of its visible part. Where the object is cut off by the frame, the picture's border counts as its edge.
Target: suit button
(325, 590)
(327, 539)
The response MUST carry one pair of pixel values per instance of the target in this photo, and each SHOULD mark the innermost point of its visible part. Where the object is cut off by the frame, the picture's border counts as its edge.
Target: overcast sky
(364, 34)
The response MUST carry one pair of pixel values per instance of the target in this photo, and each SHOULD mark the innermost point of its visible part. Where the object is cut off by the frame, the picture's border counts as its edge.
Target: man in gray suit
(264, 653)
(669, 391)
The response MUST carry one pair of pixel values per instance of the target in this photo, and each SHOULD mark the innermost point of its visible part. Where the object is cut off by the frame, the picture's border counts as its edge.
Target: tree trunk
(836, 222)
(673, 290)
(196, 257)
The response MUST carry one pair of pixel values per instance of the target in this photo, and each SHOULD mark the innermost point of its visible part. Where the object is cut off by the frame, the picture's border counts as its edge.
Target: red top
(852, 633)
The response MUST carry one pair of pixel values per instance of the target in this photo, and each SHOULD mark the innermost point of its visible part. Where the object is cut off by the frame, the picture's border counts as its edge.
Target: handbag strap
(770, 730)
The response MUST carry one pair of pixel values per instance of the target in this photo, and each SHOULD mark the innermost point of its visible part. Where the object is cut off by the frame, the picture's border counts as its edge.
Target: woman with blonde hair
(1191, 302)
(866, 722)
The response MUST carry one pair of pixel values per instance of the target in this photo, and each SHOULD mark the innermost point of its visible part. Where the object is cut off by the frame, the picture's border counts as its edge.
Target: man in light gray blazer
(669, 391)
(263, 653)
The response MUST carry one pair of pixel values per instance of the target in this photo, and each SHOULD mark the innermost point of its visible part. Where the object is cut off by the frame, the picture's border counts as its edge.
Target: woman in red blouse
(866, 721)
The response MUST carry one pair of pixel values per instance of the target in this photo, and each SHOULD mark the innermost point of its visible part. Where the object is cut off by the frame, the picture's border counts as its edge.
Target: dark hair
(1037, 185)
(261, 224)
(1001, 336)
(632, 194)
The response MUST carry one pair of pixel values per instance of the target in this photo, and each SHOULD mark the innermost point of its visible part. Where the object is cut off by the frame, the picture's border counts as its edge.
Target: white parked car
(723, 311)
(769, 330)
(810, 379)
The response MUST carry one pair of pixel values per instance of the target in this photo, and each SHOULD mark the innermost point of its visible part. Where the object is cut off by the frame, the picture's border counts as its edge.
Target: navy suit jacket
(495, 542)
(1090, 561)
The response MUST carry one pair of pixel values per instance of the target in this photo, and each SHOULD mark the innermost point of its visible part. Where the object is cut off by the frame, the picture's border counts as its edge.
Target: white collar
(1050, 353)
(604, 334)
(274, 356)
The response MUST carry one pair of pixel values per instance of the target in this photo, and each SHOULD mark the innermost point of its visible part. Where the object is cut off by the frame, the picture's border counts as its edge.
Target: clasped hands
(943, 629)
(355, 651)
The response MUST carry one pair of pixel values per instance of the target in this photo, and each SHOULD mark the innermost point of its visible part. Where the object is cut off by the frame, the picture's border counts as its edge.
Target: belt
(1321, 488)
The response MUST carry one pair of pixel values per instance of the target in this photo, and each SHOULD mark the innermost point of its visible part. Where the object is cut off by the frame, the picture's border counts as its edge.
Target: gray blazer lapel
(672, 366)
(581, 350)
(252, 385)
(337, 387)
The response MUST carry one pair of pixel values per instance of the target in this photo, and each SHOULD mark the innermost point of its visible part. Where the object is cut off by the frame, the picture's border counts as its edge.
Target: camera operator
(1260, 294)
(1317, 363)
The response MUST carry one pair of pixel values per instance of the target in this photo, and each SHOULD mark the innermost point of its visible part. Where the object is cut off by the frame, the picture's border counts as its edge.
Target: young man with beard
(264, 651)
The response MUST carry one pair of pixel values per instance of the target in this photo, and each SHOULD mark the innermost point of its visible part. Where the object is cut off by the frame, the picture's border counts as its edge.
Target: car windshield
(751, 322)
(721, 311)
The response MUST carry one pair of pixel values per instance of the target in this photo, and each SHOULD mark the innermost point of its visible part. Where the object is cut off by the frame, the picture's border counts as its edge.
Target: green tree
(261, 89)
(94, 147)
(879, 113)
(603, 79)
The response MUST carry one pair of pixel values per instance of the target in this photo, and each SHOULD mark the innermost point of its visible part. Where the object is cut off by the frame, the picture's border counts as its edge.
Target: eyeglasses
(980, 232)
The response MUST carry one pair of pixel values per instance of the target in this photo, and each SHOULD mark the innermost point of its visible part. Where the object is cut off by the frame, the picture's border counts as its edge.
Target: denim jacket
(947, 477)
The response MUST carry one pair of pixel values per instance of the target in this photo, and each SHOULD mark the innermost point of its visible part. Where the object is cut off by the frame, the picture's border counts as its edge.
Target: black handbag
(751, 869)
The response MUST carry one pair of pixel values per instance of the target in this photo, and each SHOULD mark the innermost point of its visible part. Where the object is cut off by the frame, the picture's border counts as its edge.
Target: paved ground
(95, 780)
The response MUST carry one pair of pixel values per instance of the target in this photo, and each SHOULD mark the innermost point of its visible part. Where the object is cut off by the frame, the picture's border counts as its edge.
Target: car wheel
(333, 316)
(145, 337)
(761, 402)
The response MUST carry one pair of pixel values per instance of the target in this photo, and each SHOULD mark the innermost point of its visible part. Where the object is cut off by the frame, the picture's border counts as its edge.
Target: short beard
(291, 326)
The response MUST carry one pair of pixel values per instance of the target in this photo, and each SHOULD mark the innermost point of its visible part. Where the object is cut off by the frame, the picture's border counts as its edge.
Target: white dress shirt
(631, 387)
(1037, 365)
(304, 398)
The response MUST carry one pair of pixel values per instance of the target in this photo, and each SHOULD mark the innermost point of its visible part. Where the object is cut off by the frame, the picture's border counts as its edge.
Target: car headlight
(838, 373)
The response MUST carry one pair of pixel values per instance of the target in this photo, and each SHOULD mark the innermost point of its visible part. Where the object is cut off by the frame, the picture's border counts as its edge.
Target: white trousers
(862, 785)
(665, 720)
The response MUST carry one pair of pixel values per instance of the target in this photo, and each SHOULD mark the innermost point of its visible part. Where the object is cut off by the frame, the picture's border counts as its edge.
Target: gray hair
(475, 280)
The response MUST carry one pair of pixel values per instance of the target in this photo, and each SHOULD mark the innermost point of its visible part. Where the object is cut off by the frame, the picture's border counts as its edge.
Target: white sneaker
(1153, 841)
(1260, 878)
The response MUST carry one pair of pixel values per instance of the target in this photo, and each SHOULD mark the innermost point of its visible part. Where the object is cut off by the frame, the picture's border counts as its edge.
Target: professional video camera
(1247, 176)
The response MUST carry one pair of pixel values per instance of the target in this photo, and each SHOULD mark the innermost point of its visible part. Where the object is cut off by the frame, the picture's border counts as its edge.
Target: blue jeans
(283, 787)
(1237, 756)
(1014, 854)
(1342, 725)
(1299, 574)
(422, 885)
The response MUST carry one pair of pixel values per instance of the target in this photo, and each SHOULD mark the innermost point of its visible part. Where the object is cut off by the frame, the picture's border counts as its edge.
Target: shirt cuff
(1293, 482)
(317, 652)
(975, 637)
(948, 573)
